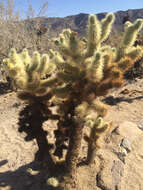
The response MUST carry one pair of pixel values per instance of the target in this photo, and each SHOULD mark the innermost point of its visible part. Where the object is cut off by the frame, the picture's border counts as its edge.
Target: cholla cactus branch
(97, 128)
(106, 25)
(28, 72)
(131, 31)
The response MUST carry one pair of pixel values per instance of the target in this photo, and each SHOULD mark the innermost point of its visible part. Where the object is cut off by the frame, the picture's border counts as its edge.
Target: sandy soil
(18, 171)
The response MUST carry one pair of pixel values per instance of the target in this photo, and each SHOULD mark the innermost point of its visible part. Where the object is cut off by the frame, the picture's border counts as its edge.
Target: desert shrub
(80, 71)
(19, 32)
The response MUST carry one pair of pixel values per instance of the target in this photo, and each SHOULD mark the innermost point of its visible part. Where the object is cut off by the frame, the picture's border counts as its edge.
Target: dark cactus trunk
(92, 146)
(91, 153)
(74, 146)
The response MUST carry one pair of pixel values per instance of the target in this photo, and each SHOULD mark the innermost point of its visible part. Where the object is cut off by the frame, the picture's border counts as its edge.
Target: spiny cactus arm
(125, 63)
(35, 62)
(62, 91)
(13, 64)
(68, 44)
(106, 48)
(48, 82)
(14, 57)
(74, 44)
(99, 107)
(97, 128)
(95, 69)
(12, 70)
(44, 62)
(25, 57)
(82, 110)
(131, 33)
(33, 84)
(67, 77)
(102, 88)
(106, 25)
(116, 74)
(135, 53)
(129, 38)
(108, 62)
(58, 60)
(126, 25)
(94, 34)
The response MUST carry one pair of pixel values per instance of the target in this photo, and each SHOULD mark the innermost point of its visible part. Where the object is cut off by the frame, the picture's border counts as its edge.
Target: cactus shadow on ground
(111, 100)
(4, 88)
(21, 179)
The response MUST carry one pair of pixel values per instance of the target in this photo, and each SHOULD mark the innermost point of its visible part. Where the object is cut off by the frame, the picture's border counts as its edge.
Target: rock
(129, 130)
(126, 144)
(122, 153)
(140, 124)
(117, 173)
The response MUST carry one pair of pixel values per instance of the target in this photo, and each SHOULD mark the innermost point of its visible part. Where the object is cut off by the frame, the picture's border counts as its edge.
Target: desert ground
(118, 164)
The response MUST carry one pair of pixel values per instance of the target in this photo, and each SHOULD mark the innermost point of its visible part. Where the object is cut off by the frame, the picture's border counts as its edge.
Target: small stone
(140, 124)
(126, 144)
(121, 153)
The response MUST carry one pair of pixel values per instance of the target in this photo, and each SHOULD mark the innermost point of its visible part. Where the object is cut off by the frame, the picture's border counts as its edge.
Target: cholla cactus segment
(106, 25)
(125, 63)
(25, 57)
(97, 128)
(95, 69)
(43, 63)
(135, 53)
(82, 110)
(131, 33)
(127, 24)
(68, 43)
(94, 30)
(63, 91)
(52, 182)
(66, 77)
(99, 107)
(94, 34)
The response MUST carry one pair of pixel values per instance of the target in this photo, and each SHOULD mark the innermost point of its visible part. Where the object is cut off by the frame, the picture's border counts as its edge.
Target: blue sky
(62, 8)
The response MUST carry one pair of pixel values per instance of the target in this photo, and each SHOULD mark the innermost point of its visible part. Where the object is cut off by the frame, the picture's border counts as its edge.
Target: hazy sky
(62, 8)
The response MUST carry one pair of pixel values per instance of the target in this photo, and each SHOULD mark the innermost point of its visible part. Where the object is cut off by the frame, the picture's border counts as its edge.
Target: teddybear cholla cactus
(80, 71)
(29, 75)
(88, 69)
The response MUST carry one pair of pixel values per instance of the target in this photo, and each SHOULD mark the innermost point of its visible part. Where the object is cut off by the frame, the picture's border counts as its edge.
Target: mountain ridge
(79, 21)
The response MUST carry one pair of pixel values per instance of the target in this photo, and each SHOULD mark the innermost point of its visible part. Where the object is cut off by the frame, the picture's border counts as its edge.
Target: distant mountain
(78, 22)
